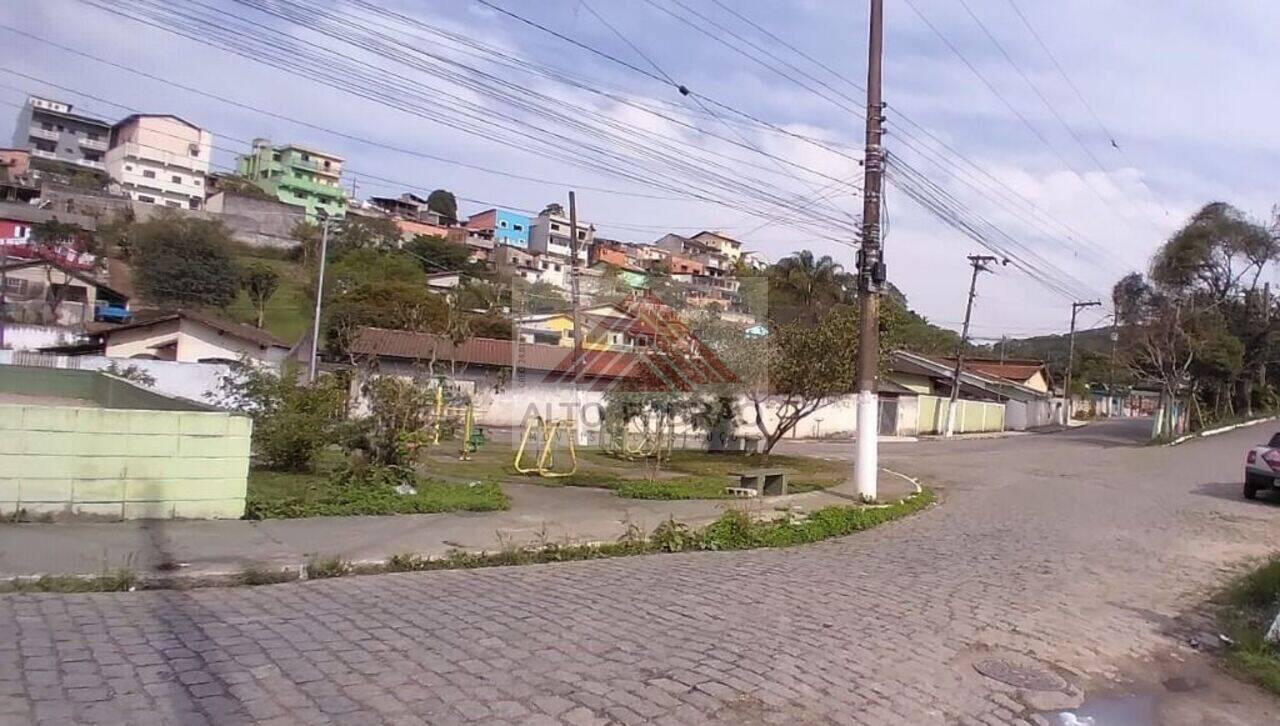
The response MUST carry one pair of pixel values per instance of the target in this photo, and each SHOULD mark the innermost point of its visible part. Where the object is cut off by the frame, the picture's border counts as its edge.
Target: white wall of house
(18, 336)
(195, 342)
(184, 380)
(160, 160)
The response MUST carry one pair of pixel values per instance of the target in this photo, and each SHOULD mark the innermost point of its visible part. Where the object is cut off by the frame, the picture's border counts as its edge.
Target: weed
(254, 575)
(278, 495)
(405, 562)
(322, 567)
(673, 536)
(1248, 606)
(121, 580)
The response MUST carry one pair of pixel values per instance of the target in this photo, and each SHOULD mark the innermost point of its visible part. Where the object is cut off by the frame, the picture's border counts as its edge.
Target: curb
(1221, 430)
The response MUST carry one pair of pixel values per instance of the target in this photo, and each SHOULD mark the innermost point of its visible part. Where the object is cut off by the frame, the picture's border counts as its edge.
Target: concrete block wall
(123, 463)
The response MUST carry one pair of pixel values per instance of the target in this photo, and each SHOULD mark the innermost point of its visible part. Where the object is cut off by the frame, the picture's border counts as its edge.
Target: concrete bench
(761, 481)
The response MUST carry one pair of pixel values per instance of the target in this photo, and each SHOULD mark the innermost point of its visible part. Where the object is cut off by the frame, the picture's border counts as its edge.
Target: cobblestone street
(1081, 549)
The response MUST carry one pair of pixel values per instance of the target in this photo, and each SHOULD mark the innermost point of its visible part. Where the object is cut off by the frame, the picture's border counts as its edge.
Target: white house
(549, 235)
(190, 337)
(160, 159)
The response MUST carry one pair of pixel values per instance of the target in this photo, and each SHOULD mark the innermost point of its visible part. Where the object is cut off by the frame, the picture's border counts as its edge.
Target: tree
(388, 304)
(307, 234)
(436, 254)
(243, 186)
(443, 203)
(184, 261)
(54, 241)
(803, 286)
(795, 369)
(292, 421)
(355, 233)
(259, 281)
(554, 209)
(114, 232)
(537, 297)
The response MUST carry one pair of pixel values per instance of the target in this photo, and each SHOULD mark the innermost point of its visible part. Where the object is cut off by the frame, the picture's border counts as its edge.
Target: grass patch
(1248, 606)
(288, 314)
(285, 495)
(116, 581)
(687, 475)
(734, 530)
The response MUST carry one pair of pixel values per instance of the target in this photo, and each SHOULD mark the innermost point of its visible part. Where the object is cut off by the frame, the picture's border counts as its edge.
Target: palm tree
(812, 282)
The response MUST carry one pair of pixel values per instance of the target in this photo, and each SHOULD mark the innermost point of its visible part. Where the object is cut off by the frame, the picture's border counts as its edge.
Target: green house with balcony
(297, 175)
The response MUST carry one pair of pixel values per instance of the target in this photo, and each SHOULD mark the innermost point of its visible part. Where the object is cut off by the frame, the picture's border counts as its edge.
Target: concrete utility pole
(979, 263)
(871, 269)
(576, 369)
(1111, 373)
(4, 291)
(315, 322)
(1071, 357)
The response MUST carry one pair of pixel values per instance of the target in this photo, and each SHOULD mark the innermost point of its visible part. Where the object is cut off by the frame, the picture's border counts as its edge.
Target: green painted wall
(121, 461)
(971, 416)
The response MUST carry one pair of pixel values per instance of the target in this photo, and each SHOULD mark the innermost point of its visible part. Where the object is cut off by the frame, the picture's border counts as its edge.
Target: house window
(176, 179)
(147, 199)
(196, 182)
(171, 203)
(502, 223)
(306, 158)
(555, 227)
(518, 227)
(128, 167)
(326, 165)
(16, 286)
(557, 268)
(275, 156)
(149, 173)
(92, 136)
(46, 126)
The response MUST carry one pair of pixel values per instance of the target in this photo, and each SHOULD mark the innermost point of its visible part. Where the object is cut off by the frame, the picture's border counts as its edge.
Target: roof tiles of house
(648, 371)
(1013, 369)
(238, 330)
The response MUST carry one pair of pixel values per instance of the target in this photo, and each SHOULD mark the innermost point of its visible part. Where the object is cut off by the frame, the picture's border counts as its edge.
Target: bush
(397, 426)
(292, 421)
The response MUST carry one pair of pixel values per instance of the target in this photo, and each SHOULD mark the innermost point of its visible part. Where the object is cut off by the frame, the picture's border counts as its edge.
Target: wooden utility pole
(1111, 374)
(1071, 358)
(871, 269)
(979, 263)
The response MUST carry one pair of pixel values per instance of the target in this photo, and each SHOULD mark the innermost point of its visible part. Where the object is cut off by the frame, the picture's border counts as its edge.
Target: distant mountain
(1052, 349)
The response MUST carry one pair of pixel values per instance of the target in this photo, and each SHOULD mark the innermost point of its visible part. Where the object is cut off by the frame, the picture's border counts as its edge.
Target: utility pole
(979, 263)
(580, 429)
(315, 322)
(4, 290)
(871, 270)
(1266, 323)
(1111, 374)
(1004, 341)
(1071, 357)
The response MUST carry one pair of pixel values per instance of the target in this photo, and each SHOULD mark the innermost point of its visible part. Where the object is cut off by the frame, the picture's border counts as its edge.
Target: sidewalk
(538, 514)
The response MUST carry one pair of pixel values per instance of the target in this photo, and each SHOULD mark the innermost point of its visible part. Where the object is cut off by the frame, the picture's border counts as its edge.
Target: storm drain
(1021, 674)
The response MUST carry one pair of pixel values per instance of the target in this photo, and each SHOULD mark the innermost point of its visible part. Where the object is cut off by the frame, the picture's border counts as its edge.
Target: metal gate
(888, 417)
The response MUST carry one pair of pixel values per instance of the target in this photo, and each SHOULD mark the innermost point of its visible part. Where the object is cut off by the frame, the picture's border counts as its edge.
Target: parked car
(1262, 467)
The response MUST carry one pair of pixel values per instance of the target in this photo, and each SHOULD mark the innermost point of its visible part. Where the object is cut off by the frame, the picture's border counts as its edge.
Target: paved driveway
(1078, 549)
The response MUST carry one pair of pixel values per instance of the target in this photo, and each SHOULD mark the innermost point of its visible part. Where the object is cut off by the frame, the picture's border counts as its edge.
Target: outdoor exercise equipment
(472, 435)
(548, 431)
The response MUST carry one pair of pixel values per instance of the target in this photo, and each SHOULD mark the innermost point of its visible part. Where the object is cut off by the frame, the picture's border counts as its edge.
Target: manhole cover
(1020, 675)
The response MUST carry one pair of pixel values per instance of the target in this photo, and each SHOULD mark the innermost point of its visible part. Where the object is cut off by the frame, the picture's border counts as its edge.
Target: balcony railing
(95, 144)
(317, 165)
(45, 134)
(44, 154)
(91, 163)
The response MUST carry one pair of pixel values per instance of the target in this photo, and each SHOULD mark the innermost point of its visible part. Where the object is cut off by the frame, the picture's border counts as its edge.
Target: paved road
(1079, 549)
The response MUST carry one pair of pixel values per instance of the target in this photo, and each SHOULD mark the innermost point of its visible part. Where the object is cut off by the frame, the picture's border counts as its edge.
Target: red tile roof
(650, 370)
(1020, 370)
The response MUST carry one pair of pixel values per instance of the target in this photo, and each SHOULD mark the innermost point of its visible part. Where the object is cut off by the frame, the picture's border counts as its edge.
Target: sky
(1185, 90)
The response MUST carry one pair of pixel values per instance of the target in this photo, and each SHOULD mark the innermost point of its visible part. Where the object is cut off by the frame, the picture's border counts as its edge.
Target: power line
(1039, 94)
(1076, 89)
(1009, 105)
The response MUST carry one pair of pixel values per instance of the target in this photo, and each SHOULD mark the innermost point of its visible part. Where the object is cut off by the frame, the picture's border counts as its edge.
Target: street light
(315, 323)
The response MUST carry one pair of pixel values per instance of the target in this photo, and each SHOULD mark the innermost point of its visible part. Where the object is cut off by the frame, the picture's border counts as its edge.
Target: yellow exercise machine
(548, 432)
